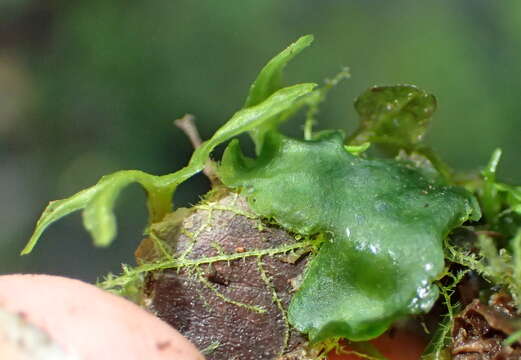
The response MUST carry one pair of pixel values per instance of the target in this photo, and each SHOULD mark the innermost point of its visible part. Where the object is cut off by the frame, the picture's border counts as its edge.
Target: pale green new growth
(317, 97)
(115, 283)
(436, 350)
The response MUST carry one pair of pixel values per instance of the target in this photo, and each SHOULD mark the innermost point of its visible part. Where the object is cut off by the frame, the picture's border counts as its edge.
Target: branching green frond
(128, 284)
(496, 266)
(98, 201)
(268, 81)
(131, 274)
(437, 348)
(467, 259)
(317, 97)
(258, 116)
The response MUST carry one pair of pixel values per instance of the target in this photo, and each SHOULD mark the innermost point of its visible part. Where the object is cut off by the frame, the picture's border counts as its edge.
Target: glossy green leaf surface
(394, 115)
(386, 222)
(98, 200)
(254, 117)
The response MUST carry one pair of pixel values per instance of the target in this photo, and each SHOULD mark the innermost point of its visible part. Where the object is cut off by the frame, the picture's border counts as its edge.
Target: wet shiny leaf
(386, 221)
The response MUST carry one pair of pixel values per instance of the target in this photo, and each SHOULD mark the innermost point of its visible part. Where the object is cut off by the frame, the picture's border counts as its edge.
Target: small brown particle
(217, 278)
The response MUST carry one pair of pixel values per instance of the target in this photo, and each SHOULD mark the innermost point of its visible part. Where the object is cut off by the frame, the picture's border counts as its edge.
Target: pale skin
(52, 317)
(55, 318)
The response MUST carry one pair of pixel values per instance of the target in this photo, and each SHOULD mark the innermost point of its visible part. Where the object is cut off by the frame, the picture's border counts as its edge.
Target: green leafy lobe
(394, 115)
(268, 81)
(386, 222)
(397, 118)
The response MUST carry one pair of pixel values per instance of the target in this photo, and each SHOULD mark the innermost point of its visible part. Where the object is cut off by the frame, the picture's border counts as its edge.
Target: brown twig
(187, 125)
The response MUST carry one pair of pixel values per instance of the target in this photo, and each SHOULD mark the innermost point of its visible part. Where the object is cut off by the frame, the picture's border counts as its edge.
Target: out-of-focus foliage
(91, 87)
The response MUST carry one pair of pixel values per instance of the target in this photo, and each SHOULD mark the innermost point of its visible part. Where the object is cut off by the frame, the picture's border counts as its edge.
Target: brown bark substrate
(230, 309)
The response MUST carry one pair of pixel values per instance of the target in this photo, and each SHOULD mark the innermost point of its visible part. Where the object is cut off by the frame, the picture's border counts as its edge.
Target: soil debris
(480, 330)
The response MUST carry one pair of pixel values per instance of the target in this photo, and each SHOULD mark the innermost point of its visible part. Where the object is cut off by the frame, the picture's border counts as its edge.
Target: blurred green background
(88, 87)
